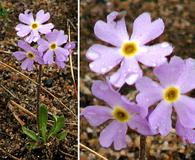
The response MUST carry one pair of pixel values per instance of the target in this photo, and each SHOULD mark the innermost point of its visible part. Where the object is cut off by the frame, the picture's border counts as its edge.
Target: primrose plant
(38, 43)
(44, 135)
(176, 77)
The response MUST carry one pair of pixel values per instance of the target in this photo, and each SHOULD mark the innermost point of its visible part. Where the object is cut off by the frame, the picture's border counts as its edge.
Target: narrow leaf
(62, 135)
(58, 125)
(43, 118)
(30, 133)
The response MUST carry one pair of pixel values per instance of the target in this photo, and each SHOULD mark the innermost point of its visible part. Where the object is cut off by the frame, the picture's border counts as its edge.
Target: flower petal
(104, 58)
(185, 109)
(23, 30)
(42, 17)
(33, 37)
(27, 64)
(96, 115)
(187, 134)
(160, 118)
(62, 38)
(150, 93)
(113, 32)
(25, 46)
(60, 64)
(144, 30)
(105, 92)
(43, 45)
(52, 36)
(141, 125)
(169, 73)
(46, 28)
(114, 132)
(155, 55)
(48, 57)
(19, 55)
(27, 17)
(128, 72)
(61, 54)
(187, 78)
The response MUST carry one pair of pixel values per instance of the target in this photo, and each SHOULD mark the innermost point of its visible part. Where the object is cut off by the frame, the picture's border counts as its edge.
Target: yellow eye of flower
(53, 46)
(34, 25)
(171, 94)
(30, 55)
(121, 114)
(129, 49)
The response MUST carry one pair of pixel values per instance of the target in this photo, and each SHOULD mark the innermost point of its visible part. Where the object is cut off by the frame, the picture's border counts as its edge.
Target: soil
(178, 16)
(17, 88)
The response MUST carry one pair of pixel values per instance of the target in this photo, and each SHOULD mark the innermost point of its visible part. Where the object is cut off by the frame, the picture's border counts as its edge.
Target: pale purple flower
(32, 28)
(120, 111)
(69, 46)
(127, 51)
(176, 79)
(53, 45)
(29, 55)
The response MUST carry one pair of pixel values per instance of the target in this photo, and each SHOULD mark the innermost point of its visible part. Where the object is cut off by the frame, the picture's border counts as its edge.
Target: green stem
(38, 92)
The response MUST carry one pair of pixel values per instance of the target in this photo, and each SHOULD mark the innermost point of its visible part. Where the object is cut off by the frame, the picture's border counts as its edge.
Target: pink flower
(28, 56)
(127, 51)
(32, 28)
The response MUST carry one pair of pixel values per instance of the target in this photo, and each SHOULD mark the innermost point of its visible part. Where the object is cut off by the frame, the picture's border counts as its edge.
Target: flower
(55, 40)
(69, 46)
(31, 28)
(120, 111)
(176, 79)
(127, 51)
(28, 56)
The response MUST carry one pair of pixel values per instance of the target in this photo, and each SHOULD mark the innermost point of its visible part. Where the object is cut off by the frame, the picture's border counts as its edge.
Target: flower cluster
(176, 77)
(41, 41)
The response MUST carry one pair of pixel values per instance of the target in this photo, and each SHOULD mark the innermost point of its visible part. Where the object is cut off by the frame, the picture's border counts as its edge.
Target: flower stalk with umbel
(38, 51)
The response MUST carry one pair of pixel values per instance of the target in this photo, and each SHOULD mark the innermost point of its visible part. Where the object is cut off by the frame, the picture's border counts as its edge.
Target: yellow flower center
(121, 114)
(34, 25)
(30, 55)
(171, 94)
(129, 49)
(53, 46)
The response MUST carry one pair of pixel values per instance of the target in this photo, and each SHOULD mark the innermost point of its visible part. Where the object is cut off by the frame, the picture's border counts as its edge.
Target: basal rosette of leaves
(152, 109)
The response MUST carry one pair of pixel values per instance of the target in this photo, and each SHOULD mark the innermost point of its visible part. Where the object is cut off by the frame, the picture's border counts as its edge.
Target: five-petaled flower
(127, 50)
(28, 56)
(122, 112)
(53, 44)
(31, 28)
(176, 79)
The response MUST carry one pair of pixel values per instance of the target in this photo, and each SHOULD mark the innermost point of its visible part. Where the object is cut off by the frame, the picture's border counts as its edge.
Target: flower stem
(142, 151)
(38, 92)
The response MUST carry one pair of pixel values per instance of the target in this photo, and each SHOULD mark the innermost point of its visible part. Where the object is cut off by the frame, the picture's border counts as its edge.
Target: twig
(11, 156)
(71, 64)
(23, 109)
(142, 151)
(8, 66)
(92, 151)
(67, 154)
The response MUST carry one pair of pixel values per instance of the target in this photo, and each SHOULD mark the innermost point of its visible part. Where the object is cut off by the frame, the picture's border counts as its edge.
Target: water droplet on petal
(164, 44)
(103, 70)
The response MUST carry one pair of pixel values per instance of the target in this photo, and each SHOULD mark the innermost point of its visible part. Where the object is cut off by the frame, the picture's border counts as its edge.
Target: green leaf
(58, 125)
(43, 118)
(30, 133)
(62, 135)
